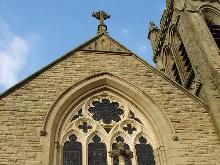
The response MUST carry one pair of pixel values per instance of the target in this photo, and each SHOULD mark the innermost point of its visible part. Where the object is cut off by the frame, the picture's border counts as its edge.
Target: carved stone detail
(105, 43)
(114, 122)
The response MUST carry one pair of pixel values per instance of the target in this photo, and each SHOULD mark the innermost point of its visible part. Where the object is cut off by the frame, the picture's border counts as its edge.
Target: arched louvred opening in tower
(212, 19)
(144, 152)
(170, 66)
(187, 67)
(215, 30)
(176, 74)
(182, 62)
(72, 152)
(121, 139)
(97, 152)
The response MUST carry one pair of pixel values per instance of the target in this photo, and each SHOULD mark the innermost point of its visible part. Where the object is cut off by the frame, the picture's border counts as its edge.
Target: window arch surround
(210, 13)
(211, 17)
(71, 98)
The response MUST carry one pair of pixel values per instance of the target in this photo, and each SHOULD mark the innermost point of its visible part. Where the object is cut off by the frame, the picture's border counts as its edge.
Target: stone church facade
(102, 104)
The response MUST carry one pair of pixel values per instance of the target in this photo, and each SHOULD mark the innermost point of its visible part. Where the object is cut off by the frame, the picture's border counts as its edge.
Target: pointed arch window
(182, 68)
(144, 152)
(97, 125)
(72, 151)
(215, 31)
(97, 152)
(212, 19)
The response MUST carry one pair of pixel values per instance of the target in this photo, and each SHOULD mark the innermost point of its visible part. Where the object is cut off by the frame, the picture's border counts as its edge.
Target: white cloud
(13, 54)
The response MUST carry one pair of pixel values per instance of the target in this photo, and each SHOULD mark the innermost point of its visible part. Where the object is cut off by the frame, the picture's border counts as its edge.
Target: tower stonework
(101, 104)
(186, 49)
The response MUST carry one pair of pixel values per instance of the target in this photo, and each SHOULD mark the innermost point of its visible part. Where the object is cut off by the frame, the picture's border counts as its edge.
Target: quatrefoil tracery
(105, 119)
(105, 114)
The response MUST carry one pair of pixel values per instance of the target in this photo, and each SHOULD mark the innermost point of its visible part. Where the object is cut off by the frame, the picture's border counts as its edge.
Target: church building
(101, 104)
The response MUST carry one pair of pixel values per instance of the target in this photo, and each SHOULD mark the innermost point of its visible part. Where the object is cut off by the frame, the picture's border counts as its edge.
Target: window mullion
(108, 146)
(84, 152)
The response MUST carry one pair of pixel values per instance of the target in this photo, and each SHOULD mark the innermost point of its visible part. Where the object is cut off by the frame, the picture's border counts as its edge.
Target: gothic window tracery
(95, 128)
(106, 111)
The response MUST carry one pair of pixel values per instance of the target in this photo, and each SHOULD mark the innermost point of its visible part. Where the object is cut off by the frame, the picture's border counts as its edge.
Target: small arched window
(95, 128)
(97, 152)
(144, 152)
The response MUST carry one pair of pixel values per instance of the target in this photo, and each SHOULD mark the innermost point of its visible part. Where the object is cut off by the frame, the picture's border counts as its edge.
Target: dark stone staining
(97, 152)
(72, 152)
(78, 115)
(116, 161)
(132, 116)
(130, 129)
(144, 152)
(85, 127)
(106, 111)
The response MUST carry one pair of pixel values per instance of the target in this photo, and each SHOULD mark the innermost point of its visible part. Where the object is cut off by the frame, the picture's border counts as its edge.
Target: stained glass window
(106, 111)
(105, 117)
(97, 152)
(72, 154)
(144, 153)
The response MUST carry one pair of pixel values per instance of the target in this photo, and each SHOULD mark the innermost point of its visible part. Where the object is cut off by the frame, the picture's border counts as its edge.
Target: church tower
(186, 48)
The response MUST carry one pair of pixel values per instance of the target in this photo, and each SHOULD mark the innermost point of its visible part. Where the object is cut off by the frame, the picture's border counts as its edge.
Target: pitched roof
(104, 40)
(86, 46)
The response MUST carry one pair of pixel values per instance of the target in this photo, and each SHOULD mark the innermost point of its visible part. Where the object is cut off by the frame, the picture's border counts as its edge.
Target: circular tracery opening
(100, 122)
(106, 111)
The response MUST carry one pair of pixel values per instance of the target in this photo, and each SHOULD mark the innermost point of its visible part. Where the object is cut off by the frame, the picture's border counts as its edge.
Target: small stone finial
(102, 16)
(152, 26)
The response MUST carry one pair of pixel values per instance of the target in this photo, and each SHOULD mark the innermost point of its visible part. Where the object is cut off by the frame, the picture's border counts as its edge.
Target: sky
(35, 33)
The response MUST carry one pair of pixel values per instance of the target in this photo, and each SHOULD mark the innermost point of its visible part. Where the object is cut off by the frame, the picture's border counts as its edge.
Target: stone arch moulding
(174, 36)
(208, 9)
(162, 127)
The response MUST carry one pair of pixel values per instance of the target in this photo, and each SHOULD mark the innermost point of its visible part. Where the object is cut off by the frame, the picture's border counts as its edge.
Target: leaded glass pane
(144, 153)
(97, 152)
(72, 152)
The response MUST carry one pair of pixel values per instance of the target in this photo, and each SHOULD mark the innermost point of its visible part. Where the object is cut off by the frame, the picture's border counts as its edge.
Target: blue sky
(34, 33)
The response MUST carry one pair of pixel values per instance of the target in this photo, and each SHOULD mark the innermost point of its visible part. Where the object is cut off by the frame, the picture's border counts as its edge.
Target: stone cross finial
(102, 16)
(121, 153)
